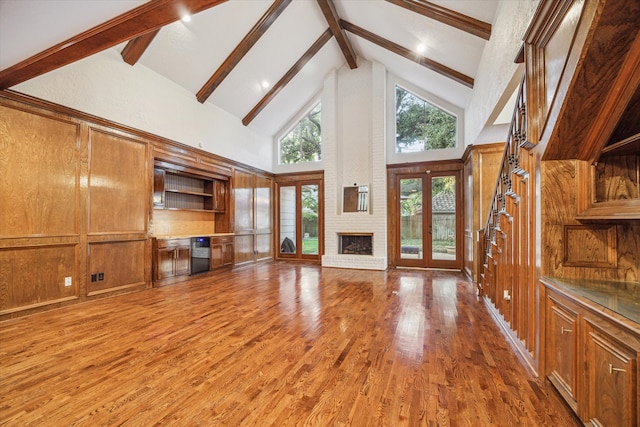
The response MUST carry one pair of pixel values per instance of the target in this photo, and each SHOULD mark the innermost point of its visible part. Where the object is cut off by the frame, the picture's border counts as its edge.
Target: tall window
(303, 143)
(421, 126)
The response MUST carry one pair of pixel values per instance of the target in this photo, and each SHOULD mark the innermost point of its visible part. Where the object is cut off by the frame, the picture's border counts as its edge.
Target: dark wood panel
(263, 246)
(119, 190)
(243, 183)
(244, 248)
(122, 264)
(617, 178)
(35, 276)
(262, 207)
(39, 174)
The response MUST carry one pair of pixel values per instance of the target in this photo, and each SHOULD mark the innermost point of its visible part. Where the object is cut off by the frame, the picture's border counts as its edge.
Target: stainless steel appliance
(200, 254)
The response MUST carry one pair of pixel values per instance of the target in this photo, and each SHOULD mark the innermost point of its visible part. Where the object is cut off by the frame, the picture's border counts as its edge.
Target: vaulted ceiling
(260, 60)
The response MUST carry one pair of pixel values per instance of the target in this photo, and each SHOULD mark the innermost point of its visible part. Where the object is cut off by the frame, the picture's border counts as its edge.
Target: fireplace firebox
(355, 243)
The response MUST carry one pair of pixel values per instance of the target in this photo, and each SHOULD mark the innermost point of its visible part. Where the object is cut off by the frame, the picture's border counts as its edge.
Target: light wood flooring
(274, 344)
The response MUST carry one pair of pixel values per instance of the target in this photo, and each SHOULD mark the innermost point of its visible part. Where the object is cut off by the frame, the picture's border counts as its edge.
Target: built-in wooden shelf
(183, 191)
(628, 146)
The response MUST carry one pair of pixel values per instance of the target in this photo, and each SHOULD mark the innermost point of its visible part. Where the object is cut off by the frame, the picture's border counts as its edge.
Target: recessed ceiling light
(265, 84)
(186, 18)
(421, 48)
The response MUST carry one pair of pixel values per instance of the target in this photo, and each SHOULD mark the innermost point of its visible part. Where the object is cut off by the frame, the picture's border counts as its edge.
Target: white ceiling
(188, 53)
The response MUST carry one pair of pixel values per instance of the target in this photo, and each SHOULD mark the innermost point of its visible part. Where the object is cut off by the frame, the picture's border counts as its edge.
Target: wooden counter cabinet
(611, 378)
(221, 251)
(562, 343)
(171, 257)
(592, 358)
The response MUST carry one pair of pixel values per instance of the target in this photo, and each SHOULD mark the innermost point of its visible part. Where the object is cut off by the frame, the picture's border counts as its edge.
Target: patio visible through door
(428, 220)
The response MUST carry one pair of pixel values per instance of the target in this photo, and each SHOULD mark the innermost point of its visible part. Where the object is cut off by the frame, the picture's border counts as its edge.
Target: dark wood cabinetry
(187, 191)
(561, 347)
(221, 251)
(172, 257)
(592, 357)
(611, 378)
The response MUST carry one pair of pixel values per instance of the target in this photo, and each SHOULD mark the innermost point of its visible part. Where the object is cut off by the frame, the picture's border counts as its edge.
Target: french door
(429, 220)
(300, 227)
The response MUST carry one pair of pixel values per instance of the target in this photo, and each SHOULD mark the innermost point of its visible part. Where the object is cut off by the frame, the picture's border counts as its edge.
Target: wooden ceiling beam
(408, 54)
(331, 15)
(136, 47)
(299, 65)
(136, 22)
(447, 16)
(241, 50)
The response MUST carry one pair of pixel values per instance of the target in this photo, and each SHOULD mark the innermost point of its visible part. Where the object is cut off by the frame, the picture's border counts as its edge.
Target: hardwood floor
(274, 344)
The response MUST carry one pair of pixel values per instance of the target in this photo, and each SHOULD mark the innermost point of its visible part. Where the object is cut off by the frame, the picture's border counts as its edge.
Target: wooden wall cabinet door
(562, 343)
(252, 198)
(612, 382)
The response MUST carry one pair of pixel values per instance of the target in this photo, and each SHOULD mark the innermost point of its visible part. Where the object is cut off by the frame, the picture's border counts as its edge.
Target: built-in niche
(356, 198)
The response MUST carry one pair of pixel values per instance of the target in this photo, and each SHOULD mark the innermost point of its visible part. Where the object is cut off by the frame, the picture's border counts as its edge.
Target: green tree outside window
(421, 126)
(303, 143)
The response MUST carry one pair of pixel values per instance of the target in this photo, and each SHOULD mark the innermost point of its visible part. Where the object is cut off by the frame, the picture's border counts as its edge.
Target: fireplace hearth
(355, 243)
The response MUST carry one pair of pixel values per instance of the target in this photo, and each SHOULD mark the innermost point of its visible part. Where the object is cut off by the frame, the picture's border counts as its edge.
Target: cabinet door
(561, 351)
(611, 372)
(227, 253)
(219, 194)
(165, 263)
(182, 261)
(216, 255)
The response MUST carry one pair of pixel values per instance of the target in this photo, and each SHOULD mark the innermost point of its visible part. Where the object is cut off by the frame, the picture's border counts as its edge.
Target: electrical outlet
(100, 277)
(94, 277)
(68, 281)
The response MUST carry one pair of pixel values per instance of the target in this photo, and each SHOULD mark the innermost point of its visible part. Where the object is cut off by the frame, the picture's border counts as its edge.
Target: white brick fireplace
(353, 151)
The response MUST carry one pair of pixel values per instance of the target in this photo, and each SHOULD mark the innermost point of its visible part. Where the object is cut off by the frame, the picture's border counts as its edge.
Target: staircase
(507, 244)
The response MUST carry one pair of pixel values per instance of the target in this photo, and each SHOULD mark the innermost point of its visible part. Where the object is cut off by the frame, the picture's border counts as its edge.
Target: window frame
(427, 155)
(309, 106)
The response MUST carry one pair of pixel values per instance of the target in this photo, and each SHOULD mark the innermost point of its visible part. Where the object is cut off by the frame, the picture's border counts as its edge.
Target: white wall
(353, 140)
(105, 86)
(497, 73)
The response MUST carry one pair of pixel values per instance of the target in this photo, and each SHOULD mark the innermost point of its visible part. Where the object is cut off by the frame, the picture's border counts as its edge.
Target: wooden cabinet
(561, 348)
(221, 251)
(592, 357)
(172, 257)
(481, 166)
(186, 191)
(253, 223)
(612, 380)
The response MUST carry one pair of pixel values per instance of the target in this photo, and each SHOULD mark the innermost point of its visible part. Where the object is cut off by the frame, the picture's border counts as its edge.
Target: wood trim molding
(408, 54)
(447, 16)
(331, 15)
(306, 57)
(241, 50)
(149, 16)
(135, 48)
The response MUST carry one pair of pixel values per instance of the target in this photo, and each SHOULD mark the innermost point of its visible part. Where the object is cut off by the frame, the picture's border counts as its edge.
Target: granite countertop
(622, 298)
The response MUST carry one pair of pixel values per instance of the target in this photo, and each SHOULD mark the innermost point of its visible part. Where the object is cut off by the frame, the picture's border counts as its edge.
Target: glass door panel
(411, 220)
(287, 220)
(428, 221)
(309, 202)
(443, 218)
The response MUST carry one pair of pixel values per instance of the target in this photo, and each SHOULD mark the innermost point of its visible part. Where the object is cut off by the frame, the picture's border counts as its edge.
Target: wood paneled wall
(591, 250)
(76, 216)
(75, 202)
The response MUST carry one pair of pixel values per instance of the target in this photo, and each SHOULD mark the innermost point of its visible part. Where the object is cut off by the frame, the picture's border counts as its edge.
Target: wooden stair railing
(504, 243)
